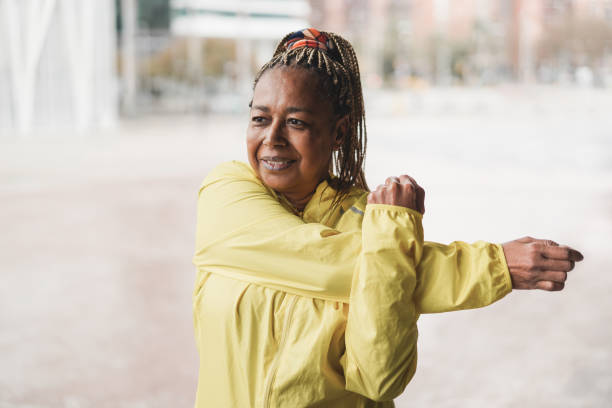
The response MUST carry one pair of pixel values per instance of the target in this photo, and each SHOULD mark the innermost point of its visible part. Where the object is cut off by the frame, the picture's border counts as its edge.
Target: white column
(78, 26)
(25, 48)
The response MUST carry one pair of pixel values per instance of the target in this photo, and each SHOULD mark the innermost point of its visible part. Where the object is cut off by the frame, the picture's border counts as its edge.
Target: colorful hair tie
(308, 37)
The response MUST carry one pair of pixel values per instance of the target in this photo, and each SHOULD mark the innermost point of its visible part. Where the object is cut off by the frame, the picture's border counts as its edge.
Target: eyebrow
(291, 109)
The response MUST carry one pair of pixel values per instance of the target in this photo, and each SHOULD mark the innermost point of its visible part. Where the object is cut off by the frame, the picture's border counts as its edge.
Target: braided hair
(333, 60)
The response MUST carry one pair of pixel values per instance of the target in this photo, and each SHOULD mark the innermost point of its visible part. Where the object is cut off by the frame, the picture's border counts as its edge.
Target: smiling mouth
(276, 164)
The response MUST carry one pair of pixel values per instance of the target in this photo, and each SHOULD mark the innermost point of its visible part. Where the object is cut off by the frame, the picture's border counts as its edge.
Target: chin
(276, 182)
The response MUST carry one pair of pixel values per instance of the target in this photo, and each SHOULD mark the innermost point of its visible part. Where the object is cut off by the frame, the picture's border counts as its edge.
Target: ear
(340, 130)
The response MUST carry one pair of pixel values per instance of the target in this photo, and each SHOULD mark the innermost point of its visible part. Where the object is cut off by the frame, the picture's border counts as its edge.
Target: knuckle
(548, 285)
(533, 252)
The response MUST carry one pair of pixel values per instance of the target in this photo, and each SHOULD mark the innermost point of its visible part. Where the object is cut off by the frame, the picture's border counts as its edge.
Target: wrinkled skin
(291, 124)
(539, 263)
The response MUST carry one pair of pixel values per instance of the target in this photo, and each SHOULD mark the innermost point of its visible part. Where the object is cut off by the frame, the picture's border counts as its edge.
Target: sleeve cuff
(502, 281)
(396, 208)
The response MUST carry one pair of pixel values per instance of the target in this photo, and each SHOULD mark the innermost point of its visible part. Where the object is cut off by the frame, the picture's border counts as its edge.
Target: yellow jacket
(272, 319)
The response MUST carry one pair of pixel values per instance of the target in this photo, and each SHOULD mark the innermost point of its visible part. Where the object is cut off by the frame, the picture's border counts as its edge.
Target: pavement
(98, 230)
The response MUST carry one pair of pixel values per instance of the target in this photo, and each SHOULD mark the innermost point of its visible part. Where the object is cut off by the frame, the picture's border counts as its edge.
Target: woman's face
(292, 132)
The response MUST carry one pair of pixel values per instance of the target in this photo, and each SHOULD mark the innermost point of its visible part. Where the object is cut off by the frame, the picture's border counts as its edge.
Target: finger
(562, 252)
(555, 265)
(553, 276)
(406, 179)
(550, 286)
(420, 192)
(421, 200)
(392, 179)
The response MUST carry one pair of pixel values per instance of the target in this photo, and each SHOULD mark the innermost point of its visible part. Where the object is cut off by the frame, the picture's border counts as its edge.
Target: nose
(274, 136)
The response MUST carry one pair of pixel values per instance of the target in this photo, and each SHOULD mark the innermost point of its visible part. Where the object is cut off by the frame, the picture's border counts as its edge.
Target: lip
(275, 163)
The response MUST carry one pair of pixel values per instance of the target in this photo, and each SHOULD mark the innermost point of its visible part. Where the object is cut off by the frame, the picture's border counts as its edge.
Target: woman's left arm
(243, 232)
(381, 331)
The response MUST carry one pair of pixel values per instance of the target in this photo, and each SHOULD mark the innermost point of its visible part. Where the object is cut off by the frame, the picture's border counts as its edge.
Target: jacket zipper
(281, 346)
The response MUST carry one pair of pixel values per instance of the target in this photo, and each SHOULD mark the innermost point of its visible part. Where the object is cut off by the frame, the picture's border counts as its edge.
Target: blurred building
(57, 65)
(204, 59)
(473, 41)
(204, 54)
(255, 26)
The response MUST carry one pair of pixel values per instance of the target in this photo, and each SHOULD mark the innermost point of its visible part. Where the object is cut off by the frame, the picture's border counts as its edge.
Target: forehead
(290, 86)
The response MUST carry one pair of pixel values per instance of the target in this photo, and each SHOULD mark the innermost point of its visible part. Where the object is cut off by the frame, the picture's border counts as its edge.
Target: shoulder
(351, 210)
(356, 201)
(233, 168)
(230, 170)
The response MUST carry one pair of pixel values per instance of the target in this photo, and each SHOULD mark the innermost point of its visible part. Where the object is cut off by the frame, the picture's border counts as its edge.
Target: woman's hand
(402, 191)
(539, 263)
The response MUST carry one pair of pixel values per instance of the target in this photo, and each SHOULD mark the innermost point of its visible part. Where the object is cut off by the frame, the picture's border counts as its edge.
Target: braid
(338, 70)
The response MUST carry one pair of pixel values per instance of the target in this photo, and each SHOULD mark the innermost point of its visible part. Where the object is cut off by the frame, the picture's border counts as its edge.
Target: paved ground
(97, 236)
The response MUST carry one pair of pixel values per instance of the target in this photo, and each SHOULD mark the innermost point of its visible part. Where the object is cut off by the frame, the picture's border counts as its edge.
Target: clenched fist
(539, 263)
(402, 191)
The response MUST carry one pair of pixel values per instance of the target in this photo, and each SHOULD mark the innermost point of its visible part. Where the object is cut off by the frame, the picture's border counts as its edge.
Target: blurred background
(112, 112)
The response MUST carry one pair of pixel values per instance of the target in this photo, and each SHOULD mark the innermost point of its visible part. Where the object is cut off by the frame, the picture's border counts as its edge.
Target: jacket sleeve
(381, 331)
(240, 222)
(461, 276)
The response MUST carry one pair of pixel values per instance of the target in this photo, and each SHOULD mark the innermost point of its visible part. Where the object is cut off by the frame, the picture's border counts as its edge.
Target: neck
(299, 202)
(298, 199)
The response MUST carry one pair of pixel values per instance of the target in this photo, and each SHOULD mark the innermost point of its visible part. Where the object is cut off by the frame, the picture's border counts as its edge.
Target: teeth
(277, 164)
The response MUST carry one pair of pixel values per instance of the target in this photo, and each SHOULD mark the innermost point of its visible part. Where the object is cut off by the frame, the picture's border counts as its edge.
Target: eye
(296, 122)
(258, 119)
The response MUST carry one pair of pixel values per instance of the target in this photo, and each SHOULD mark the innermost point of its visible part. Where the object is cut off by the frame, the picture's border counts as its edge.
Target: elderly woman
(309, 286)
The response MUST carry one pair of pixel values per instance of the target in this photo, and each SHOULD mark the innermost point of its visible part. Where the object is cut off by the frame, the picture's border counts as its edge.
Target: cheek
(316, 155)
(251, 142)
(252, 146)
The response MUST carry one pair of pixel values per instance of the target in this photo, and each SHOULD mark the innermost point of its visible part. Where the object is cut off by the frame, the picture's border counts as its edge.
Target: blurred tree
(573, 42)
(171, 61)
